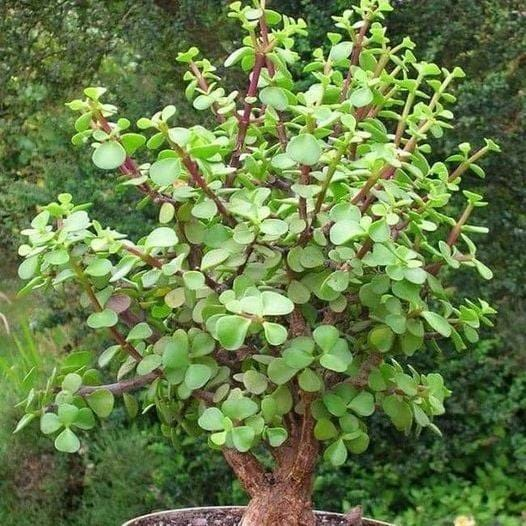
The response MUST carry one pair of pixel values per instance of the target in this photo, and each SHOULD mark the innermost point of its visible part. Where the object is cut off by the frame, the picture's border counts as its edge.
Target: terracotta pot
(210, 515)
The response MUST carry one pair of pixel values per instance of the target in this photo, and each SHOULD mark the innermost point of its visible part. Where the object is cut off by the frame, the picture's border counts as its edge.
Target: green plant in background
(299, 262)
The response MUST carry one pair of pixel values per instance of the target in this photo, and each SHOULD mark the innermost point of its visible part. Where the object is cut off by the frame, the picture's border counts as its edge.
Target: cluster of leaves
(297, 263)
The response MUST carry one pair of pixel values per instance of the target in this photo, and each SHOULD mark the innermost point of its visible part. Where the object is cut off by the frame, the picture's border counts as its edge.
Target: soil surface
(227, 517)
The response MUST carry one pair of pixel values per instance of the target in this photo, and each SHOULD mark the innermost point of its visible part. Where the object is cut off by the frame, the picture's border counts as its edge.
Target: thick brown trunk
(282, 504)
(281, 497)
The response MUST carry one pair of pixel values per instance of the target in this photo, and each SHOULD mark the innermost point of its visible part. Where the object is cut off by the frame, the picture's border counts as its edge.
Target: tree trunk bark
(282, 504)
(282, 497)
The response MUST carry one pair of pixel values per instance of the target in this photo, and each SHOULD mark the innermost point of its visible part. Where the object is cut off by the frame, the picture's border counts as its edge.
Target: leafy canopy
(301, 253)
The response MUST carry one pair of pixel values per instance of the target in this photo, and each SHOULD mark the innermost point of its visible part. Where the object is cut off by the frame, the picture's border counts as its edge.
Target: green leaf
(304, 149)
(312, 257)
(166, 213)
(166, 171)
(67, 442)
(211, 419)
(280, 372)
(203, 102)
(275, 333)
(95, 92)
(237, 55)
(175, 298)
(297, 358)
(275, 304)
(49, 423)
(326, 337)
(298, 292)
(309, 381)
(274, 227)
(438, 323)
(148, 364)
(101, 401)
(131, 405)
(359, 444)
(337, 359)
(239, 408)
(362, 404)
(141, 331)
(196, 376)
(162, 237)
(379, 231)
(381, 338)
(109, 155)
(335, 405)
(72, 382)
(24, 422)
(214, 257)
(276, 436)
(243, 438)
(325, 429)
(105, 318)
(274, 97)
(132, 142)
(398, 411)
(85, 419)
(361, 97)
(99, 267)
(336, 453)
(255, 382)
(194, 280)
(76, 221)
(28, 268)
(231, 331)
(341, 51)
(406, 383)
(344, 231)
(205, 210)
(338, 281)
(175, 354)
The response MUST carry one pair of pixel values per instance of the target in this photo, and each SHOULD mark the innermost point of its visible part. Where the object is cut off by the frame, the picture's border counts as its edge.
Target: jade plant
(305, 240)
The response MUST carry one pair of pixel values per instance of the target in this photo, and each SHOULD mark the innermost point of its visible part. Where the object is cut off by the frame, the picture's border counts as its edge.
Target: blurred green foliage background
(51, 50)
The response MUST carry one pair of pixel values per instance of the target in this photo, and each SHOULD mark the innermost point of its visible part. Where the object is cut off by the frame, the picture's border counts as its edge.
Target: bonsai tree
(300, 260)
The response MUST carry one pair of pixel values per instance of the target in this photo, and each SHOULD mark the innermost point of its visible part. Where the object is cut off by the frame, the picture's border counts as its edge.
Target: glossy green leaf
(243, 438)
(109, 155)
(274, 97)
(148, 364)
(275, 304)
(211, 419)
(437, 322)
(166, 171)
(162, 237)
(304, 149)
(197, 375)
(101, 402)
(103, 319)
(275, 334)
(49, 423)
(231, 331)
(336, 453)
(67, 441)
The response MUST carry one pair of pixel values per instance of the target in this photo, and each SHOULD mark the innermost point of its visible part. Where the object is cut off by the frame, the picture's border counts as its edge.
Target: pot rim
(206, 508)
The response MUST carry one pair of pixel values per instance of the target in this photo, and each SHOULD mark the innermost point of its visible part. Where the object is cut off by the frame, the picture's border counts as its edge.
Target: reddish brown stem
(200, 181)
(248, 470)
(355, 59)
(119, 388)
(245, 119)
